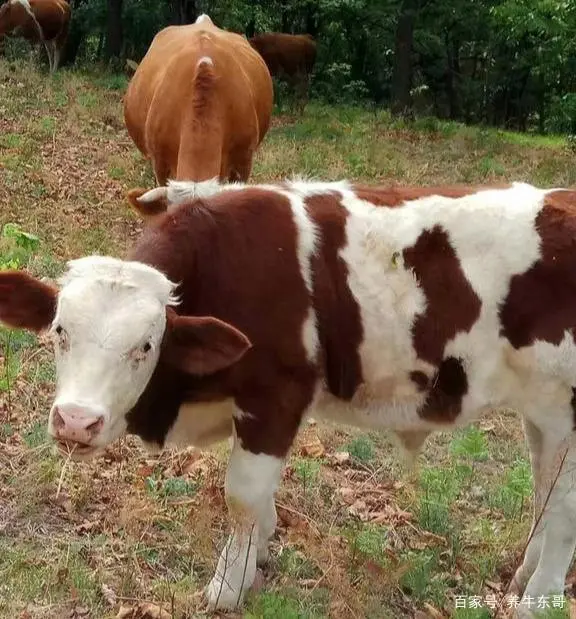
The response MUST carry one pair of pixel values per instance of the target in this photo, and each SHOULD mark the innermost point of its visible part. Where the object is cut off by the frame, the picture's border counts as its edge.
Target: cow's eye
(147, 347)
(58, 330)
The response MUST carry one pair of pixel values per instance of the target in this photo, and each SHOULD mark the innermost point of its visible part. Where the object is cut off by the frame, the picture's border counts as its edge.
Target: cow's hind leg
(535, 442)
(551, 549)
(251, 481)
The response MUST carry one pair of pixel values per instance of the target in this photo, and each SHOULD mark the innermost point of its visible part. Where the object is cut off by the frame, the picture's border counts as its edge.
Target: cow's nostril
(58, 421)
(95, 426)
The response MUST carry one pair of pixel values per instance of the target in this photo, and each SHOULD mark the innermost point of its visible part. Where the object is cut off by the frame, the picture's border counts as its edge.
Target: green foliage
(307, 471)
(369, 541)
(362, 449)
(470, 444)
(423, 580)
(272, 605)
(173, 487)
(512, 496)
(439, 488)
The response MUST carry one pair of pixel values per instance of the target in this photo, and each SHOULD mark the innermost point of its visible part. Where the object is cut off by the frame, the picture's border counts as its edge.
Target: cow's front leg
(251, 481)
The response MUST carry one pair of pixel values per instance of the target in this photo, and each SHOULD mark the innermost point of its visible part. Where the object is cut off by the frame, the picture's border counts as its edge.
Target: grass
(358, 536)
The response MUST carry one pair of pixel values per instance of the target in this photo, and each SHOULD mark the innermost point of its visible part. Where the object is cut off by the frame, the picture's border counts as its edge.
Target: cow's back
(160, 101)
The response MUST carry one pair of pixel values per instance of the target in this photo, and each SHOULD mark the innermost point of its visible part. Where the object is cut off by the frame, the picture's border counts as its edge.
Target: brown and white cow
(199, 104)
(288, 56)
(38, 21)
(409, 309)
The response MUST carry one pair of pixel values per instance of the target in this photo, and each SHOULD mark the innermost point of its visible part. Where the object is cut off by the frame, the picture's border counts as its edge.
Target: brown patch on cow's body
(338, 315)
(452, 307)
(445, 391)
(397, 196)
(223, 252)
(541, 302)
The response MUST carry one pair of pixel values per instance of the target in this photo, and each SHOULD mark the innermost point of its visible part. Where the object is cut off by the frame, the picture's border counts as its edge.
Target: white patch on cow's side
(205, 60)
(251, 481)
(202, 424)
(109, 323)
(204, 19)
(306, 244)
(310, 335)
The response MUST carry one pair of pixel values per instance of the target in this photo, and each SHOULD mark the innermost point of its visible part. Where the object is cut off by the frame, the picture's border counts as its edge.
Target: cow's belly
(396, 403)
(202, 424)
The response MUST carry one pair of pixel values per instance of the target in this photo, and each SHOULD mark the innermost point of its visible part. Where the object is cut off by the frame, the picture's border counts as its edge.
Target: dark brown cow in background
(38, 21)
(289, 56)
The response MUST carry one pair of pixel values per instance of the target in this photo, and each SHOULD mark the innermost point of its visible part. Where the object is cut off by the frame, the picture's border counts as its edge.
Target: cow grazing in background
(38, 21)
(288, 56)
(409, 309)
(199, 104)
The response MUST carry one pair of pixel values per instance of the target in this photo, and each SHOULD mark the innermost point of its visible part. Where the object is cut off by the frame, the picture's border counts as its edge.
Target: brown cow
(44, 21)
(409, 309)
(290, 56)
(199, 104)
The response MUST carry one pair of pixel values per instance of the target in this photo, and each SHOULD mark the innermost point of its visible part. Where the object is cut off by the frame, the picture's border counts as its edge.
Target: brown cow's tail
(204, 82)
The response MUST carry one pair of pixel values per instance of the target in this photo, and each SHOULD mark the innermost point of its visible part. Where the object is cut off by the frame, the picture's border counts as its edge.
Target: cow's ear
(203, 345)
(148, 203)
(26, 302)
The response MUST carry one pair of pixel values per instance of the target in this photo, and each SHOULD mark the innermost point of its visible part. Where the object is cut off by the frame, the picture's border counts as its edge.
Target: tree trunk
(76, 36)
(452, 78)
(113, 46)
(402, 74)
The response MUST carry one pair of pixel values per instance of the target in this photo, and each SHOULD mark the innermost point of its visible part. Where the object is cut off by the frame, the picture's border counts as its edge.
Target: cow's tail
(204, 82)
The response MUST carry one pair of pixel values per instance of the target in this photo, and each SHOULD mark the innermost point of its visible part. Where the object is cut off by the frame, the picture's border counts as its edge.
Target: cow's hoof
(221, 597)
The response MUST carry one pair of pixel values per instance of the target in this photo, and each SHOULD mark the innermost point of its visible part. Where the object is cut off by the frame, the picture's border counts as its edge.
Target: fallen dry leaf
(313, 448)
(433, 612)
(341, 457)
(347, 494)
(109, 594)
(144, 610)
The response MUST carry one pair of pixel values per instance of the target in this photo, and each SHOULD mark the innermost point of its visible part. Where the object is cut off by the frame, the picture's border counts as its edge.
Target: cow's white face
(107, 333)
(111, 323)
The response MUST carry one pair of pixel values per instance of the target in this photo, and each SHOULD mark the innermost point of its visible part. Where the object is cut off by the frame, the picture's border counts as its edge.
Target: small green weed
(171, 488)
(470, 444)
(511, 497)
(423, 580)
(369, 541)
(307, 472)
(362, 449)
(36, 435)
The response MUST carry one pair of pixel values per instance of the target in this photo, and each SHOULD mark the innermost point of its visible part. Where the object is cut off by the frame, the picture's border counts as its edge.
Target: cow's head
(110, 323)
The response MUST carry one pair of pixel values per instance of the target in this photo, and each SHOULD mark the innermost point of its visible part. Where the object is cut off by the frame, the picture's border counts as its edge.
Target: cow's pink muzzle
(76, 427)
